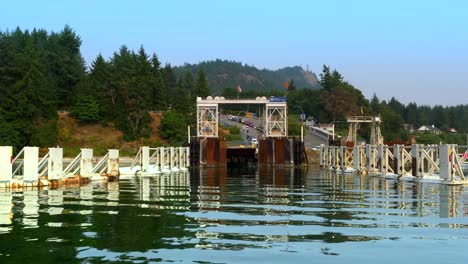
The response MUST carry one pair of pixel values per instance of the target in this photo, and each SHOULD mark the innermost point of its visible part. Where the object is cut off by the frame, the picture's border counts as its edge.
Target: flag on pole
(239, 90)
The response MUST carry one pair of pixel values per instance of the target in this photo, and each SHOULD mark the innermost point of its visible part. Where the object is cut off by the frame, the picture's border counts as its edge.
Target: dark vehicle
(250, 124)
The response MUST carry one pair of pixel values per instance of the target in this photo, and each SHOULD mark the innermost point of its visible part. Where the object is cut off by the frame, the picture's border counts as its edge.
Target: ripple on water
(224, 216)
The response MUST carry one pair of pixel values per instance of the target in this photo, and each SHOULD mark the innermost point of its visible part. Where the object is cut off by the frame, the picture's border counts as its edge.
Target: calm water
(249, 216)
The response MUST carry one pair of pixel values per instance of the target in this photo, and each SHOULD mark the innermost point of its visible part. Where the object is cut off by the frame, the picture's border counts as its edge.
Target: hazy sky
(413, 50)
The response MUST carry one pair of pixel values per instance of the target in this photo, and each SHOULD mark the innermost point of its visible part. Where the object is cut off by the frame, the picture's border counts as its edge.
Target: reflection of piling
(448, 201)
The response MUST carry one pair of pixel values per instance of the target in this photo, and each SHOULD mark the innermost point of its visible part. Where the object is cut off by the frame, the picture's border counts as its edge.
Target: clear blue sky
(413, 50)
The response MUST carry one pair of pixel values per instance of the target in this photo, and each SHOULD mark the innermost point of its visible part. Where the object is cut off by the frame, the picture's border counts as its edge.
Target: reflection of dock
(31, 207)
(418, 197)
(165, 191)
(6, 204)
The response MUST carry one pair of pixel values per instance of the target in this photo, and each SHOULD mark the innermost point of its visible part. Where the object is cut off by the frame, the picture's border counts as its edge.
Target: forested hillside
(223, 73)
(44, 72)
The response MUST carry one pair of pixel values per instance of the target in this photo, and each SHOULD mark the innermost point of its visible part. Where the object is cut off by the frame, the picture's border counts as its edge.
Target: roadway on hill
(312, 137)
(247, 132)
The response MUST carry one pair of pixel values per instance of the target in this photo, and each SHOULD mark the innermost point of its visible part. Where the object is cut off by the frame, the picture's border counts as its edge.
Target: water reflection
(31, 208)
(6, 203)
(266, 210)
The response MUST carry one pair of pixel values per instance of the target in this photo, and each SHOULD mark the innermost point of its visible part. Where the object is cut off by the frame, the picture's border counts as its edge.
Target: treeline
(41, 73)
(339, 99)
(224, 73)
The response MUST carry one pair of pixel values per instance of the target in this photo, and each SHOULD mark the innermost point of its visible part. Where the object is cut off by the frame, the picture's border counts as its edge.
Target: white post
(157, 160)
(333, 157)
(188, 134)
(397, 156)
(333, 136)
(113, 162)
(415, 161)
(382, 158)
(181, 152)
(444, 162)
(145, 158)
(187, 157)
(55, 165)
(30, 168)
(6, 168)
(86, 162)
(356, 158)
(171, 149)
(162, 157)
(343, 158)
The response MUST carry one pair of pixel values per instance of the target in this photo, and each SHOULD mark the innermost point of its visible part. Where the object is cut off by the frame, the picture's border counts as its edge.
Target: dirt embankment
(72, 136)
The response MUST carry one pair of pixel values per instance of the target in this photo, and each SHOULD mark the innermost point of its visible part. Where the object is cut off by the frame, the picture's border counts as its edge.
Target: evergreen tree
(170, 81)
(375, 105)
(201, 87)
(100, 81)
(132, 95)
(159, 91)
(326, 78)
(182, 102)
(66, 63)
(173, 127)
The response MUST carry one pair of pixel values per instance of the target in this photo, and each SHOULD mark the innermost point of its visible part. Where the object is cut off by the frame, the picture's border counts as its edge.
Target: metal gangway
(27, 168)
(445, 163)
(159, 160)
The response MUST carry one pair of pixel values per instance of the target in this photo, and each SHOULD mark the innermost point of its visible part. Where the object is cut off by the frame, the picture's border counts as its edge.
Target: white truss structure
(376, 137)
(276, 115)
(276, 124)
(207, 120)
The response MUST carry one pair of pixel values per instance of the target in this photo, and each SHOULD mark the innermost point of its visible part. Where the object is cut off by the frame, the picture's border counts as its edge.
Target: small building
(429, 129)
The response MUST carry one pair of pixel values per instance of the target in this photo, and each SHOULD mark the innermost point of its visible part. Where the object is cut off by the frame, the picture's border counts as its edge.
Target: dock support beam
(31, 162)
(333, 157)
(86, 162)
(416, 159)
(145, 155)
(357, 158)
(343, 158)
(445, 165)
(55, 165)
(6, 168)
(382, 159)
(113, 163)
(397, 161)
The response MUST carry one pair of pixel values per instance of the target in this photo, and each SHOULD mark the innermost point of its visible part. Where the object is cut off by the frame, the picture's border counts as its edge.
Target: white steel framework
(276, 120)
(207, 120)
(276, 115)
(376, 137)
